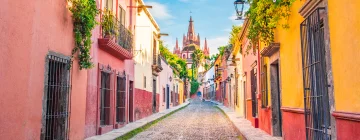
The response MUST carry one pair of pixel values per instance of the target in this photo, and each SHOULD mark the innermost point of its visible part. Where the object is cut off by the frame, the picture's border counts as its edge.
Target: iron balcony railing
(159, 61)
(124, 37)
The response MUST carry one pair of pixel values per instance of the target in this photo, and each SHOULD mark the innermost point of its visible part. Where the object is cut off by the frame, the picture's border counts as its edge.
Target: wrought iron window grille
(105, 94)
(316, 98)
(121, 97)
(57, 99)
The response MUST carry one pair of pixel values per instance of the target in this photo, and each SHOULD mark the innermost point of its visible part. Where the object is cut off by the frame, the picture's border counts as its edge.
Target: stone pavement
(200, 120)
(134, 125)
(245, 127)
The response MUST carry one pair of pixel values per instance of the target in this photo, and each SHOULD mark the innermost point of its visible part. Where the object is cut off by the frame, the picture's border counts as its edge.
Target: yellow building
(313, 65)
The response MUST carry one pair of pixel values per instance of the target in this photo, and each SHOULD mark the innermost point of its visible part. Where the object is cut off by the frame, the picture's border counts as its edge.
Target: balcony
(156, 67)
(119, 42)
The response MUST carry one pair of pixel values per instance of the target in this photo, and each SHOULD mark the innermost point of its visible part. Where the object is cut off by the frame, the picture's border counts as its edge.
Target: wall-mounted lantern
(239, 8)
(170, 78)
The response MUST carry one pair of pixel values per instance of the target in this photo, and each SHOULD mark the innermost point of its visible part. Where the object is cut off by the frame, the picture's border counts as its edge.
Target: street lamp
(239, 8)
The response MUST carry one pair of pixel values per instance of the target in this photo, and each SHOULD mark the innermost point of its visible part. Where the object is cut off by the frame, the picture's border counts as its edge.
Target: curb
(133, 132)
(247, 131)
(138, 125)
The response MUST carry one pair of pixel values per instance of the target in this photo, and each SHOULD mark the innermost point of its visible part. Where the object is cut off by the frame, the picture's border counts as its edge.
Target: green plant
(84, 14)
(194, 86)
(264, 16)
(174, 61)
(108, 23)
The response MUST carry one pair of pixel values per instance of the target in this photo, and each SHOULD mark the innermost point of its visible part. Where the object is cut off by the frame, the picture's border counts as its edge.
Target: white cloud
(159, 11)
(214, 43)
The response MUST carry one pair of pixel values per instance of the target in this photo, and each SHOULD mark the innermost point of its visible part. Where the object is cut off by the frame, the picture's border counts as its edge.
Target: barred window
(120, 99)
(264, 89)
(57, 98)
(105, 98)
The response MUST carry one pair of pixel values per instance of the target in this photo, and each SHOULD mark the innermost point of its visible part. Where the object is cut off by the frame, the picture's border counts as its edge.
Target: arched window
(184, 56)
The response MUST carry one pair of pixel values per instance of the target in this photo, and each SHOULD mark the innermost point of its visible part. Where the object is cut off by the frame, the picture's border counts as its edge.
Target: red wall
(248, 60)
(347, 130)
(265, 119)
(29, 30)
(142, 104)
(293, 126)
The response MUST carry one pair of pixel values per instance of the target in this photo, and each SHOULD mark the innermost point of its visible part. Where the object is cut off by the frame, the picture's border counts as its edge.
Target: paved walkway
(137, 124)
(200, 120)
(245, 127)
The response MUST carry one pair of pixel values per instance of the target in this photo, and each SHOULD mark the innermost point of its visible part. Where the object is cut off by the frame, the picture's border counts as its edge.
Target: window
(264, 90)
(105, 98)
(184, 56)
(109, 4)
(120, 99)
(57, 98)
(164, 95)
(121, 15)
(144, 81)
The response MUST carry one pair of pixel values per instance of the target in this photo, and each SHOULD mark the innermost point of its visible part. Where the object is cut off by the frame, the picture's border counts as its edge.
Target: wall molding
(346, 116)
(293, 110)
(308, 7)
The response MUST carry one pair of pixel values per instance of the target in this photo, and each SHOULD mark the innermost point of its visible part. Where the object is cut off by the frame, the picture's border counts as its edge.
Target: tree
(197, 57)
(234, 35)
(173, 60)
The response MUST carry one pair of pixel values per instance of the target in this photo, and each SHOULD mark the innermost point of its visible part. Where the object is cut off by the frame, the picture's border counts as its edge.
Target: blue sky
(212, 19)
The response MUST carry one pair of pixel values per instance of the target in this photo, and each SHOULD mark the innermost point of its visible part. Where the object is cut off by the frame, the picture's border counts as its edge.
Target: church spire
(191, 31)
(206, 49)
(177, 44)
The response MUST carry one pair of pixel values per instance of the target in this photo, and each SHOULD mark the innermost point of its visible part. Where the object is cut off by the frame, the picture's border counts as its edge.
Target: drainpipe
(258, 77)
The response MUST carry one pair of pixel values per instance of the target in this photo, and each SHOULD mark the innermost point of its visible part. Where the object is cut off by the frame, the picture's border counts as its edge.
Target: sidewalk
(245, 127)
(134, 125)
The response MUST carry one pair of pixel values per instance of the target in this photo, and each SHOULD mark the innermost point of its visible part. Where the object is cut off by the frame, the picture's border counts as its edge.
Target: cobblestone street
(200, 120)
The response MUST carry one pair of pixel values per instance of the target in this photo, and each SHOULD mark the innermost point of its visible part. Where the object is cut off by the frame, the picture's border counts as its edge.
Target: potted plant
(108, 24)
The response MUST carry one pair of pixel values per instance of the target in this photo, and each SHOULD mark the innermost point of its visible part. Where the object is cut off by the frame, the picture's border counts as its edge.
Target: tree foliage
(264, 16)
(197, 57)
(194, 86)
(84, 14)
(174, 61)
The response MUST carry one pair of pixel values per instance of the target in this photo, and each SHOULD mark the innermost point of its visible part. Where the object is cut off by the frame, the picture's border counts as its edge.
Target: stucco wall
(344, 24)
(164, 81)
(28, 31)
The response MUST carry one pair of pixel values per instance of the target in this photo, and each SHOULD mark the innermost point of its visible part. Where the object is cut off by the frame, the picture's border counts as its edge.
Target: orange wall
(28, 31)
(344, 24)
(291, 76)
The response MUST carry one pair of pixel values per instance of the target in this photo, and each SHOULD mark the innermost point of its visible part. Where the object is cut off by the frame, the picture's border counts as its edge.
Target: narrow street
(199, 120)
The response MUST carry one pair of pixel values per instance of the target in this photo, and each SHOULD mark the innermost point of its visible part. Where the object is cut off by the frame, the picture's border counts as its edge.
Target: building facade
(147, 65)
(36, 80)
(110, 83)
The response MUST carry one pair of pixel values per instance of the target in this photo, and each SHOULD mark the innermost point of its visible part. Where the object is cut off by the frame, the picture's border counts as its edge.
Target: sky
(213, 19)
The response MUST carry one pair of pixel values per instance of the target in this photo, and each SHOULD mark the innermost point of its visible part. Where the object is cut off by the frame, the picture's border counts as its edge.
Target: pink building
(168, 87)
(109, 102)
(250, 79)
(41, 98)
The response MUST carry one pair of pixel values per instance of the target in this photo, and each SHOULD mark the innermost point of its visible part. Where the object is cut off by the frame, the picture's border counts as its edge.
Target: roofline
(141, 2)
